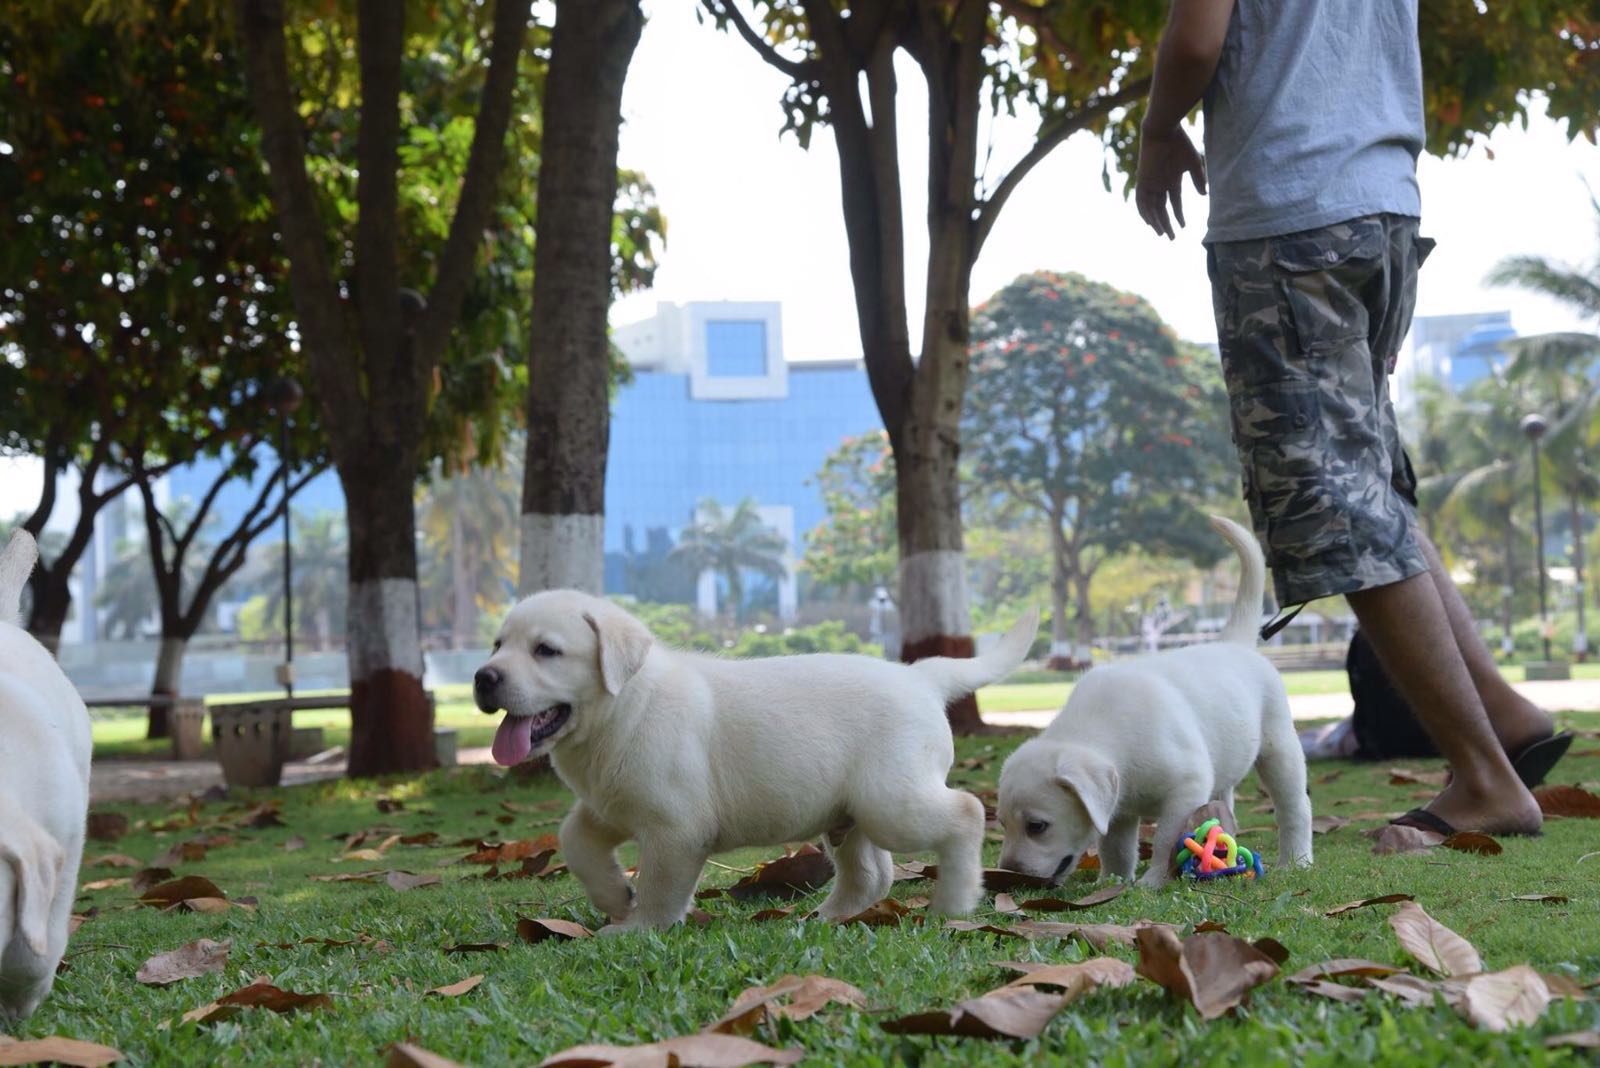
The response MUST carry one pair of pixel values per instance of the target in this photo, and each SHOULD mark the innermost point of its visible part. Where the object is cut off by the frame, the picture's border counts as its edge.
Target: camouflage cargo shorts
(1310, 325)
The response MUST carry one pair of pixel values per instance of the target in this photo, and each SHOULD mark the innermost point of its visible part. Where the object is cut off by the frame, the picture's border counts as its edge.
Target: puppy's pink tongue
(513, 740)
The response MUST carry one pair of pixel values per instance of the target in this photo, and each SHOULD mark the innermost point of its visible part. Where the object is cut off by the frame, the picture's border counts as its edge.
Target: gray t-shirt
(1314, 116)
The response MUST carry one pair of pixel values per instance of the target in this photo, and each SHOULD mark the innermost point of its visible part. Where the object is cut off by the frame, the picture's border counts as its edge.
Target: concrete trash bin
(252, 742)
(187, 719)
(445, 741)
(306, 742)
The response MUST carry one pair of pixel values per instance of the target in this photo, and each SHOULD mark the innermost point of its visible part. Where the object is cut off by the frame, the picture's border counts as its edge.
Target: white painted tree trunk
(383, 630)
(933, 596)
(562, 552)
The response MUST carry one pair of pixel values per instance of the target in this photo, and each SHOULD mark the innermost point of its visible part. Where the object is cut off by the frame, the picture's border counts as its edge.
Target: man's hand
(1164, 158)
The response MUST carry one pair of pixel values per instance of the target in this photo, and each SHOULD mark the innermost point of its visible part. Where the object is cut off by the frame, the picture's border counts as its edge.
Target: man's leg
(1515, 719)
(1410, 629)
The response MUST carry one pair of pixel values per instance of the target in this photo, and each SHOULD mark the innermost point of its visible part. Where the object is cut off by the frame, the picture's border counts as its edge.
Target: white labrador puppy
(44, 798)
(691, 755)
(1159, 736)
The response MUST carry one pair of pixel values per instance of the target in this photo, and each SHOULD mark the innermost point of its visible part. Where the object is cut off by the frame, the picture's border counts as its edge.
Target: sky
(754, 217)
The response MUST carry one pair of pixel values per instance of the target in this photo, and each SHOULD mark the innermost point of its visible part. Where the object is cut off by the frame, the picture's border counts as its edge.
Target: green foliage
(467, 564)
(854, 549)
(321, 583)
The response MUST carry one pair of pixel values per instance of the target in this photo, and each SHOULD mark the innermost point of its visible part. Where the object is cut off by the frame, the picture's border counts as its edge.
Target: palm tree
(730, 544)
(321, 581)
(469, 521)
(1563, 368)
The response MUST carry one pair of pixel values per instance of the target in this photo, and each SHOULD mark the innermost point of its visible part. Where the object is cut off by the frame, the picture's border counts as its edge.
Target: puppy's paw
(1153, 879)
(615, 902)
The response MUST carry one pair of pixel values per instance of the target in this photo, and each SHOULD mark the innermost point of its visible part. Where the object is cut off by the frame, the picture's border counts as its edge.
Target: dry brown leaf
(1570, 1040)
(886, 913)
(1564, 986)
(1088, 901)
(1438, 948)
(1096, 935)
(455, 990)
(350, 877)
(1554, 899)
(186, 962)
(148, 877)
(1090, 861)
(1351, 906)
(107, 826)
(786, 877)
(1078, 978)
(1499, 1001)
(984, 928)
(535, 867)
(1341, 967)
(810, 994)
(56, 1050)
(688, 1051)
(190, 852)
(404, 880)
(262, 816)
(78, 919)
(167, 894)
(911, 869)
(474, 947)
(1473, 842)
(1213, 971)
(405, 1055)
(387, 805)
(212, 905)
(543, 929)
(1401, 838)
(1324, 824)
(1408, 777)
(260, 994)
(116, 860)
(104, 884)
(1006, 903)
(507, 852)
(1023, 1013)
(1333, 991)
(1271, 948)
(1573, 802)
(766, 915)
(1414, 991)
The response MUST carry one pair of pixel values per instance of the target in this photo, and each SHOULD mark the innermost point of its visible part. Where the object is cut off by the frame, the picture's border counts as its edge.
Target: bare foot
(1506, 808)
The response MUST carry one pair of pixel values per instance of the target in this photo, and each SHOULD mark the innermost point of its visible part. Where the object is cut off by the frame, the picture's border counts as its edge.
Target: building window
(736, 348)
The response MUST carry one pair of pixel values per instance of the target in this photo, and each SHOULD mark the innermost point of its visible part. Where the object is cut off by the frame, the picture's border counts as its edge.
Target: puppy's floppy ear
(1094, 780)
(35, 860)
(623, 642)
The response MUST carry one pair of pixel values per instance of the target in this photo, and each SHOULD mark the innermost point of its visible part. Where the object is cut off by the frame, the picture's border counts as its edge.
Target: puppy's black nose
(486, 681)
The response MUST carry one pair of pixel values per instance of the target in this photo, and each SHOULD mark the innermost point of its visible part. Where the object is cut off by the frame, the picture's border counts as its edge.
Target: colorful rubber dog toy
(1212, 853)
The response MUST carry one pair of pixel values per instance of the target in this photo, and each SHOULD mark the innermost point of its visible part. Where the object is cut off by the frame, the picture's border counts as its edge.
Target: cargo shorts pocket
(1326, 276)
(1291, 481)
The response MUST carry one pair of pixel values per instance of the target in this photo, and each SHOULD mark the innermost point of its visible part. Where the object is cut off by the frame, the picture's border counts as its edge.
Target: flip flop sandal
(1423, 820)
(1535, 760)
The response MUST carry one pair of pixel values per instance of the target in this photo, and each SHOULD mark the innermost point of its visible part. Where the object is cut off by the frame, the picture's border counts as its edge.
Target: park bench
(1328, 656)
(186, 719)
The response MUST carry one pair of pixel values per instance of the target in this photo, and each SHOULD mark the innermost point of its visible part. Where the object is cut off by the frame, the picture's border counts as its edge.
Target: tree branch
(478, 185)
(725, 11)
(1044, 144)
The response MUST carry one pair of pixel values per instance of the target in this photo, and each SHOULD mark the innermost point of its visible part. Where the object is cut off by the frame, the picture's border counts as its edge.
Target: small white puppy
(1159, 736)
(44, 798)
(691, 755)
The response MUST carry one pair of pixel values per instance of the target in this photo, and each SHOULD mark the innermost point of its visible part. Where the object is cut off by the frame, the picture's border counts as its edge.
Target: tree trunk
(1580, 639)
(1060, 594)
(569, 416)
(391, 726)
(52, 600)
(169, 677)
(1084, 653)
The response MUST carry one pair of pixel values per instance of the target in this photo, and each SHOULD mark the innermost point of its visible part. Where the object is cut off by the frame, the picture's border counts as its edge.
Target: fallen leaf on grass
(387, 805)
(1078, 978)
(1214, 972)
(542, 930)
(506, 852)
(191, 852)
(349, 877)
(404, 880)
(1554, 899)
(1473, 842)
(1088, 901)
(809, 995)
(455, 990)
(1324, 824)
(687, 1051)
(405, 1055)
(537, 866)
(377, 945)
(104, 884)
(1342, 967)
(107, 826)
(1399, 838)
(1022, 1013)
(474, 947)
(1273, 949)
(1333, 991)
(260, 994)
(116, 860)
(1564, 986)
(1499, 1001)
(1096, 935)
(985, 928)
(1571, 801)
(148, 877)
(1570, 1040)
(1408, 777)
(169, 894)
(886, 913)
(78, 919)
(198, 958)
(294, 844)
(786, 877)
(767, 915)
(1006, 903)
(1414, 991)
(1351, 906)
(1434, 945)
(261, 816)
(56, 1050)
(911, 869)
(1209, 925)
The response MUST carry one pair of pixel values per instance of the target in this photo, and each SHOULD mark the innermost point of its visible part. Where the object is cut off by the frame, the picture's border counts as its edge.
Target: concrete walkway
(162, 780)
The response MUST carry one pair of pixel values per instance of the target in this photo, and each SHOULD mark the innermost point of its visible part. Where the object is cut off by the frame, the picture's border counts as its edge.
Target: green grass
(536, 1000)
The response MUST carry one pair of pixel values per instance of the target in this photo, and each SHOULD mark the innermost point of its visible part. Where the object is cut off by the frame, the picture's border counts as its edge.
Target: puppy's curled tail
(959, 676)
(16, 564)
(1244, 622)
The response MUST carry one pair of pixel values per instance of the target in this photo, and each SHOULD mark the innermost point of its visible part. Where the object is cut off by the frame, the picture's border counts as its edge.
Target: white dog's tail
(959, 676)
(16, 564)
(1244, 622)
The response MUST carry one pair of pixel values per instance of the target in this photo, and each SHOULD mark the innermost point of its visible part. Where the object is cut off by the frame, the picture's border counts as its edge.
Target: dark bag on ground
(1384, 725)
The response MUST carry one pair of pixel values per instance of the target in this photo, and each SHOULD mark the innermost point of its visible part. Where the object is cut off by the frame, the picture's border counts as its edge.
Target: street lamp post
(1533, 428)
(286, 396)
